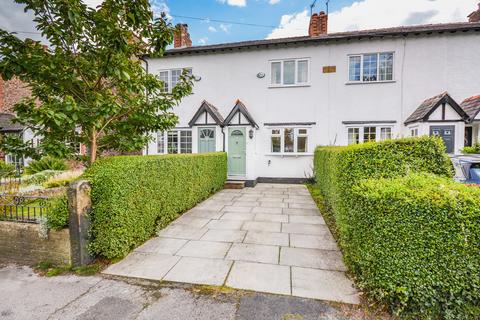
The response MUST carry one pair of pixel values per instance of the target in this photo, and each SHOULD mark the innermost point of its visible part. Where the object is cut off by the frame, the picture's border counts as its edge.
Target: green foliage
(7, 170)
(62, 180)
(475, 149)
(57, 213)
(415, 245)
(89, 85)
(133, 196)
(46, 163)
(408, 232)
(39, 177)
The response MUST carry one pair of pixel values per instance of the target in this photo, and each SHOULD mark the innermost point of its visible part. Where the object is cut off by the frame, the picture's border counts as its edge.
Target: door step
(234, 184)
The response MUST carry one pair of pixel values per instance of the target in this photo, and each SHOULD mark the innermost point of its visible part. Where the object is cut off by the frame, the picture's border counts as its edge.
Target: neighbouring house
(269, 103)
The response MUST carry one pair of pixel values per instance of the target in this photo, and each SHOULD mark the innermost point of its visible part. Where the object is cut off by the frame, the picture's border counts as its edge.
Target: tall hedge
(415, 245)
(133, 196)
(381, 210)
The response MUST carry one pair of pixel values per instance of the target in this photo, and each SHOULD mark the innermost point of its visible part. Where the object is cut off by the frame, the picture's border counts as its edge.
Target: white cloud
(225, 27)
(212, 29)
(370, 14)
(236, 3)
(273, 1)
(203, 41)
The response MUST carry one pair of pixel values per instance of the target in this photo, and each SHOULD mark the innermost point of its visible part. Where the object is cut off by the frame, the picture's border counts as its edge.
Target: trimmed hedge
(133, 196)
(415, 245)
(408, 232)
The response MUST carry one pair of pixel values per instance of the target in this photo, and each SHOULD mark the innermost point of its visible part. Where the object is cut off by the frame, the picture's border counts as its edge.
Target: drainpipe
(223, 133)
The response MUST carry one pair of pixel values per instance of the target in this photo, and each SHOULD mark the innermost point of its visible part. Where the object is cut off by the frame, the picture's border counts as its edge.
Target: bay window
(372, 67)
(289, 140)
(289, 72)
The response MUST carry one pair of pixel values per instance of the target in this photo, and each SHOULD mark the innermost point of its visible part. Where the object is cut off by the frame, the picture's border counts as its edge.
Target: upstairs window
(372, 67)
(292, 72)
(170, 78)
(289, 140)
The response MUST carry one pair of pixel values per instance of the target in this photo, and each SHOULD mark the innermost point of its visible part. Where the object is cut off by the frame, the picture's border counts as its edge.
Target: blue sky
(283, 18)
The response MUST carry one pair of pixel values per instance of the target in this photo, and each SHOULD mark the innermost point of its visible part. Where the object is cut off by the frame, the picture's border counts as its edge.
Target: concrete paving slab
(225, 224)
(210, 206)
(324, 285)
(262, 226)
(182, 232)
(312, 258)
(302, 205)
(304, 228)
(271, 217)
(253, 252)
(235, 216)
(272, 204)
(323, 242)
(193, 222)
(268, 210)
(301, 212)
(267, 238)
(162, 245)
(306, 219)
(204, 213)
(260, 277)
(204, 249)
(200, 271)
(237, 209)
(224, 235)
(245, 203)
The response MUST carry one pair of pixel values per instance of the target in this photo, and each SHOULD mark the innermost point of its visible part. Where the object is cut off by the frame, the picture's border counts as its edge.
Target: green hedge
(415, 245)
(343, 172)
(133, 196)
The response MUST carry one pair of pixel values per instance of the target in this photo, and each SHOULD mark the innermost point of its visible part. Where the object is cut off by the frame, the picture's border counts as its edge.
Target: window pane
(369, 134)
(385, 133)
(354, 68)
(353, 135)
(275, 131)
(276, 73)
(176, 77)
(289, 139)
(370, 67)
(302, 73)
(160, 142)
(172, 142)
(386, 66)
(185, 141)
(289, 72)
(276, 144)
(164, 77)
(302, 144)
(302, 131)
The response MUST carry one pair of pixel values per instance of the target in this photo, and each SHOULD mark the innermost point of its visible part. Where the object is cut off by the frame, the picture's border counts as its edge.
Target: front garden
(410, 234)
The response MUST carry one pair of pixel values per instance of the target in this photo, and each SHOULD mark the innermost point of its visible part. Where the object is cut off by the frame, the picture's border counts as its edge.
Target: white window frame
(164, 134)
(361, 55)
(361, 131)
(414, 131)
(296, 134)
(296, 83)
(169, 76)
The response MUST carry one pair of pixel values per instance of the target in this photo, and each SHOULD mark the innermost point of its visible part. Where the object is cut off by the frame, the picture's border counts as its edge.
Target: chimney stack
(181, 38)
(318, 24)
(475, 15)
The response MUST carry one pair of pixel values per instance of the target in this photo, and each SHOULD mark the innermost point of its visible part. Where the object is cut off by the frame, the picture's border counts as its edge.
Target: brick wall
(11, 92)
(20, 243)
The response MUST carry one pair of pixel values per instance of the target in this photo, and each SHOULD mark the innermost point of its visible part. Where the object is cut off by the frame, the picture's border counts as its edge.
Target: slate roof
(211, 110)
(428, 107)
(351, 35)
(6, 124)
(471, 106)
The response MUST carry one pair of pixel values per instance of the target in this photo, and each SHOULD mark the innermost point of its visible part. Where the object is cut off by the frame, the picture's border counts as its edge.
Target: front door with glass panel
(236, 151)
(447, 133)
(206, 140)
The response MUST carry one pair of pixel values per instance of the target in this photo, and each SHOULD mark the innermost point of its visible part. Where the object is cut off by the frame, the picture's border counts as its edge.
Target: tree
(89, 85)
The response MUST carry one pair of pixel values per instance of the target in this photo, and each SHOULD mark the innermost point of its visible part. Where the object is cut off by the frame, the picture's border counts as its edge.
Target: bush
(62, 179)
(7, 170)
(134, 195)
(57, 214)
(475, 149)
(39, 177)
(415, 245)
(46, 163)
(384, 232)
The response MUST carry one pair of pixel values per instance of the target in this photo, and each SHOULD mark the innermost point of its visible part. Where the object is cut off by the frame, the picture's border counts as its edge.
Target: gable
(444, 113)
(239, 116)
(207, 114)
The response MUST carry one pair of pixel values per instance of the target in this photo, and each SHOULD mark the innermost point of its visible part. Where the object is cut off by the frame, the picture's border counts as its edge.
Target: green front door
(236, 151)
(206, 140)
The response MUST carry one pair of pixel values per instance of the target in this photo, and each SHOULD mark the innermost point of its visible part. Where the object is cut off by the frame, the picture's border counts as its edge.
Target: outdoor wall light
(250, 133)
(260, 75)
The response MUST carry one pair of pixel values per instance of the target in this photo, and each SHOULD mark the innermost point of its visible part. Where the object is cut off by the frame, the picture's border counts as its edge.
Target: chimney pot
(181, 38)
(475, 15)
(318, 24)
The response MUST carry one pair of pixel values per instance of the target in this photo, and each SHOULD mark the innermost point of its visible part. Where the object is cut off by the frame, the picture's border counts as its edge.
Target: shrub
(415, 245)
(475, 149)
(39, 177)
(57, 215)
(132, 196)
(46, 163)
(7, 170)
(62, 179)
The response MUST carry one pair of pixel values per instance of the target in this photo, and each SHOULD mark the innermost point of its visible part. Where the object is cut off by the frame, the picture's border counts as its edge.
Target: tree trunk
(93, 146)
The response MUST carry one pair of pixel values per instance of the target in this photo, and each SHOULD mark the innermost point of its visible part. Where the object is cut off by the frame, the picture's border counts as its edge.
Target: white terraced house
(269, 103)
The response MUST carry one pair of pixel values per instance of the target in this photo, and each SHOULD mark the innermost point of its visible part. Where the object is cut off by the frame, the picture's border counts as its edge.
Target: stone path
(270, 238)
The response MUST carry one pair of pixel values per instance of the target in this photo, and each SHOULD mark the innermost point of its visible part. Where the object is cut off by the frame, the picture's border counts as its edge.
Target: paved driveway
(270, 238)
